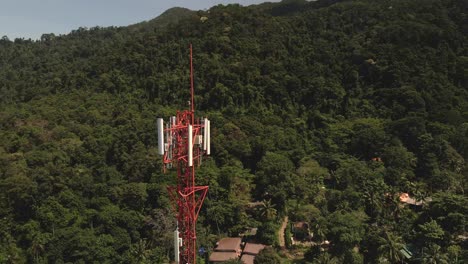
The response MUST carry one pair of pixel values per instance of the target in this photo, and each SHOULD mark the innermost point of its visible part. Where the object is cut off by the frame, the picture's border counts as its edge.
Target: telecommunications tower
(182, 141)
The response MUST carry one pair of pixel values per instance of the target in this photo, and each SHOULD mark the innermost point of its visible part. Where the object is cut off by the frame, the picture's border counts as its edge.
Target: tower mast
(183, 142)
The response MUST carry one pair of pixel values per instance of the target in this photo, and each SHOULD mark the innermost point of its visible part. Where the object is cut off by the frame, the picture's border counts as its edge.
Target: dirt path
(281, 233)
(293, 254)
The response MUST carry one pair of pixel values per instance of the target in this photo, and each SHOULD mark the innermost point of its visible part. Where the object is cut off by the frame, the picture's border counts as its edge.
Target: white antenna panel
(205, 122)
(190, 146)
(198, 140)
(161, 146)
(208, 140)
(176, 245)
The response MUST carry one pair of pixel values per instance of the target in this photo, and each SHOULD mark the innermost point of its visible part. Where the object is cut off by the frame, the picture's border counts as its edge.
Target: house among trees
(227, 248)
(301, 231)
(250, 251)
(407, 251)
(405, 198)
(231, 248)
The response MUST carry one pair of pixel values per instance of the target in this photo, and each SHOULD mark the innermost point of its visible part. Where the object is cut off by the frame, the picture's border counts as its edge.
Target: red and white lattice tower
(182, 141)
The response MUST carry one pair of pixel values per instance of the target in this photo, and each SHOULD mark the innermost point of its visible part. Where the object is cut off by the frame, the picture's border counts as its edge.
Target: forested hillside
(326, 111)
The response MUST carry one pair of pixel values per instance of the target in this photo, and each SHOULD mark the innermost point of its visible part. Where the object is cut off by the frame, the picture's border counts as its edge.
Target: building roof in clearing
(253, 249)
(217, 256)
(405, 198)
(247, 259)
(229, 244)
(407, 251)
(301, 225)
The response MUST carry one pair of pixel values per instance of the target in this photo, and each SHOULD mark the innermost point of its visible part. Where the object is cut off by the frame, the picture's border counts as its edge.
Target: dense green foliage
(302, 97)
(267, 256)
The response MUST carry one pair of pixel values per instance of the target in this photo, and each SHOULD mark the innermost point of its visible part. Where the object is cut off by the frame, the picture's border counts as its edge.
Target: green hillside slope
(325, 110)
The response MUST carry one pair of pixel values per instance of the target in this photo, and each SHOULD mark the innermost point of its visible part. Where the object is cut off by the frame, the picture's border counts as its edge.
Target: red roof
(229, 244)
(247, 259)
(253, 249)
(223, 256)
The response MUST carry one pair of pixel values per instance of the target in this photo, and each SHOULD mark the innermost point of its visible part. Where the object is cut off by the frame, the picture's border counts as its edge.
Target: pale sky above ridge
(32, 18)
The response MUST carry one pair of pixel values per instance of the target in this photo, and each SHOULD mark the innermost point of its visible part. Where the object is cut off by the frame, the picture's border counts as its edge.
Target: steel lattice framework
(187, 140)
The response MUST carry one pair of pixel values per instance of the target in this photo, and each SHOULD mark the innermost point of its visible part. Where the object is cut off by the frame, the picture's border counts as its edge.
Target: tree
(390, 247)
(453, 254)
(160, 227)
(140, 252)
(20, 191)
(38, 245)
(326, 258)
(53, 215)
(353, 257)
(267, 233)
(399, 164)
(267, 210)
(393, 206)
(267, 256)
(450, 211)
(368, 138)
(133, 195)
(345, 230)
(274, 178)
(433, 255)
(430, 233)
(313, 175)
(319, 227)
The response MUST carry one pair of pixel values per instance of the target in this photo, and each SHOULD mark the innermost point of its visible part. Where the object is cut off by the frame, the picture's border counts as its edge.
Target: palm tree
(393, 206)
(434, 255)
(325, 258)
(38, 245)
(390, 247)
(37, 248)
(320, 229)
(373, 203)
(268, 210)
(453, 252)
(140, 251)
(419, 196)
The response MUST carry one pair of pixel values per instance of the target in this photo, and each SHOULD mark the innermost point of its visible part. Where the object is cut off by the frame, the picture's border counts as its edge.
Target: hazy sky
(32, 18)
